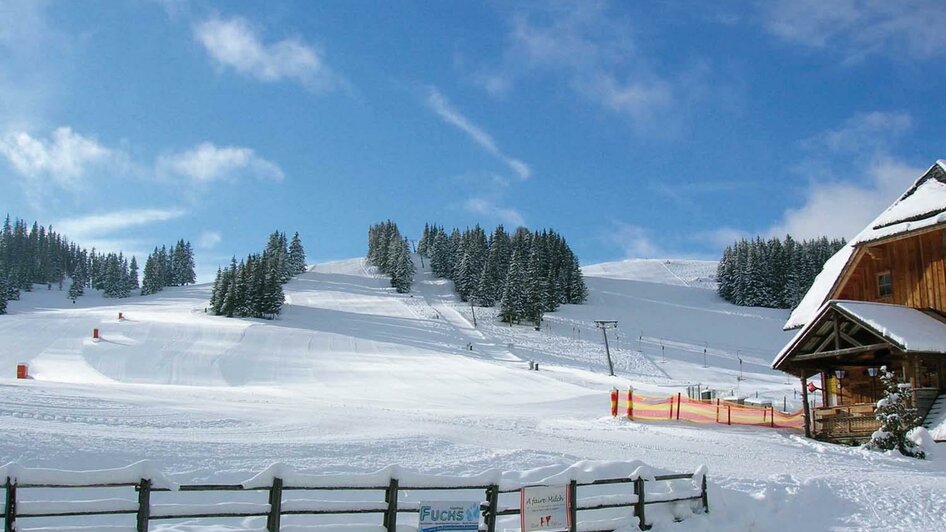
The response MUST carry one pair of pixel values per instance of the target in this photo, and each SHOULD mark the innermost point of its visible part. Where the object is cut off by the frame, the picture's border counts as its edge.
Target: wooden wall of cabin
(917, 268)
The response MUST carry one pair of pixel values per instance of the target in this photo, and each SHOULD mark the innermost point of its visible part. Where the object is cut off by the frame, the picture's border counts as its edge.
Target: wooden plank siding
(917, 267)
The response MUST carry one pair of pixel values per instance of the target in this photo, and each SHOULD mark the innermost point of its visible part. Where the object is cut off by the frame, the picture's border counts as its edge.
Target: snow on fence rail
(636, 406)
(609, 487)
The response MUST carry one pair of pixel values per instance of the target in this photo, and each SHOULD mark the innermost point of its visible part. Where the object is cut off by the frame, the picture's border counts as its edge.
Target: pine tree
(133, 274)
(512, 306)
(403, 276)
(896, 418)
(297, 261)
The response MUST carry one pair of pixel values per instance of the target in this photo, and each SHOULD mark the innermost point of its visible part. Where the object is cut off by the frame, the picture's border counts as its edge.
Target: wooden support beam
(807, 408)
(144, 505)
(824, 343)
(839, 352)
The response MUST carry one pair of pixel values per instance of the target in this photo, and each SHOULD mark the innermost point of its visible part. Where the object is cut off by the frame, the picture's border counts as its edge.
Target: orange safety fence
(677, 407)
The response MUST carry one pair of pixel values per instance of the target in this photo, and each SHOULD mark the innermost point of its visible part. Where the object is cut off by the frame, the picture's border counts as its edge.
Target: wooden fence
(635, 498)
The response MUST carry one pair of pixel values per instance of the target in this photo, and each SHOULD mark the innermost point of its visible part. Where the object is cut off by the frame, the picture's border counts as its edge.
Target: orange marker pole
(95, 334)
(614, 402)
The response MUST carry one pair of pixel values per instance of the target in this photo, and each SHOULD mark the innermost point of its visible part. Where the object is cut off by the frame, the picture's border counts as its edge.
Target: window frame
(881, 284)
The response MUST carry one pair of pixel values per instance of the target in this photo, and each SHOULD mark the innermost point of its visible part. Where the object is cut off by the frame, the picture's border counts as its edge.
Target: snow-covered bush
(896, 417)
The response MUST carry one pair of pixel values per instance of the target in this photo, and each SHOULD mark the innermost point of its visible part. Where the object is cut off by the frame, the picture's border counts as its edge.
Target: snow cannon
(614, 402)
(22, 371)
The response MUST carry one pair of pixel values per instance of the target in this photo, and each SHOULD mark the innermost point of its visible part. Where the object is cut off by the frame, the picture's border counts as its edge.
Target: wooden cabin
(880, 301)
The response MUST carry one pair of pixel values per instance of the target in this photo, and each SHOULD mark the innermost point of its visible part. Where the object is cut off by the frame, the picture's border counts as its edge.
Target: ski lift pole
(604, 325)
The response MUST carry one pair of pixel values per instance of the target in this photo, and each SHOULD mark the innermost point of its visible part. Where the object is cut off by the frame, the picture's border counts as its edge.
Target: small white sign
(453, 516)
(544, 508)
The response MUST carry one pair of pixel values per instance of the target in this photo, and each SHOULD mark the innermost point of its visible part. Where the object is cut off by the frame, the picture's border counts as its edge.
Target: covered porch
(841, 352)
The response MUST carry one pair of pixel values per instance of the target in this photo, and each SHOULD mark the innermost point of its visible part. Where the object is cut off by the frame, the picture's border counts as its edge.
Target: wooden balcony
(845, 424)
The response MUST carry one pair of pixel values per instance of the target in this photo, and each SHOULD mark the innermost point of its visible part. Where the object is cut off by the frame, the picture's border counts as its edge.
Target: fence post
(144, 504)
(678, 405)
(630, 403)
(9, 513)
(492, 501)
(573, 506)
(275, 506)
(705, 497)
(390, 515)
(729, 414)
(773, 417)
(639, 509)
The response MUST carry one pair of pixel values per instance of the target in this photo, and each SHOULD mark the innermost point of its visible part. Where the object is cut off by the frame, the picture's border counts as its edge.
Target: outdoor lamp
(872, 372)
(839, 373)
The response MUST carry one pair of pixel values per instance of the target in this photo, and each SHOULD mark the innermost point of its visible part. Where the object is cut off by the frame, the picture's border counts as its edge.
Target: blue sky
(635, 129)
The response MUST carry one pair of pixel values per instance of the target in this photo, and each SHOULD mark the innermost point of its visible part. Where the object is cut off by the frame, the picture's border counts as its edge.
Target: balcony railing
(845, 422)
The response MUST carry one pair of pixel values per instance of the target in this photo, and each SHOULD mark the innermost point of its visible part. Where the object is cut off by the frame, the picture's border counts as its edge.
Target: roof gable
(923, 205)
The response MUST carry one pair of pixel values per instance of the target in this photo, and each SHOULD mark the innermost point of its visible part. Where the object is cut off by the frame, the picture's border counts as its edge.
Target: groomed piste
(354, 377)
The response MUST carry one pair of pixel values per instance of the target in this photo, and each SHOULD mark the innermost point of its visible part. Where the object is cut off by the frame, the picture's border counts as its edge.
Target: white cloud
(439, 104)
(100, 224)
(209, 239)
(207, 162)
(635, 242)
(595, 52)
(235, 43)
(857, 28)
(864, 132)
(843, 208)
(721, 237)
(64, 158)
(485, 207)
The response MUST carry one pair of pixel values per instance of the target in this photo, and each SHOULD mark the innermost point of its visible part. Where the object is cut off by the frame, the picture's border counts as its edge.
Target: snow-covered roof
(911, 330)
(908, 329)
(922, 205)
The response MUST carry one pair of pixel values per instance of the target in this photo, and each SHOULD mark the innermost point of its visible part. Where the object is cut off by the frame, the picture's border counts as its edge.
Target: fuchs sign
(452, 516)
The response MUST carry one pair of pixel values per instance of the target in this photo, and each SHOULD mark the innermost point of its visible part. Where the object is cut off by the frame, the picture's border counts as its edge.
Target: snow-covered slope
(682, 272)
(353, 377)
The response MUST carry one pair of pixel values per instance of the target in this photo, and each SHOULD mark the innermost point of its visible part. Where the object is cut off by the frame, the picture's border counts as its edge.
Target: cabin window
(885, 284)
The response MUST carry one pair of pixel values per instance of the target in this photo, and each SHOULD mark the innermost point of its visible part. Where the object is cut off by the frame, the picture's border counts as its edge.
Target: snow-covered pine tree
(897, 418)
(3, 296)
(403, 276)
(133, 274)
(297, 262)
(512, 305)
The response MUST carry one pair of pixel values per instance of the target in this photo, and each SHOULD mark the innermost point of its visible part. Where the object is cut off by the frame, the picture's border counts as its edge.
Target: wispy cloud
(207, 162)
(858, 28)
(852, 176)
(105, 223)
(64, 158)
(440, 105)
(209, 239)
(486, 207)
(634, 241)
(595, 52)
(236, 44)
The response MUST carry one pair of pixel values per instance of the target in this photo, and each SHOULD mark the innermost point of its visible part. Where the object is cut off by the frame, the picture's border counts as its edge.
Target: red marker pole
(630, 403)
(614, 402)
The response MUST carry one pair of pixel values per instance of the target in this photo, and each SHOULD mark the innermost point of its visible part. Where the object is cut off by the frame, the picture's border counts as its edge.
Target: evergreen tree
(403, 275)
(512, 308)
(897, 418)
(133, 274)
(297, 262)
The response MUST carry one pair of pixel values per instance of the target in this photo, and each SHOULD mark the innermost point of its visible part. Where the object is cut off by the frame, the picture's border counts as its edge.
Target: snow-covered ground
(354, 377)
(682, 272)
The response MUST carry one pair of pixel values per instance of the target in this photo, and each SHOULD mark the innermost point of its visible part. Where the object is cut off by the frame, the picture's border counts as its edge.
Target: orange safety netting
(681, 408)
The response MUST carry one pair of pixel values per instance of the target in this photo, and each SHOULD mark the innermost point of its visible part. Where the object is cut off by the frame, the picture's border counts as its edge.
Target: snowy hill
(354, 376)
(681, 272)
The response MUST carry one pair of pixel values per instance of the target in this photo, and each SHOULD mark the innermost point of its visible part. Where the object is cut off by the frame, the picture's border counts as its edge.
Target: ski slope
(354, 376)
(681, 272)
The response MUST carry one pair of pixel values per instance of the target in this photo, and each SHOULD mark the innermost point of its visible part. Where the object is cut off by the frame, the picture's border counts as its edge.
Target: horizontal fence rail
(139, 505)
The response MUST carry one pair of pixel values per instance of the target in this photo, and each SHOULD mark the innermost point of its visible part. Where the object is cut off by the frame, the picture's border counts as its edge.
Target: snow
(680, 272)
(921, 206)
(908, 328)
(354, 378)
